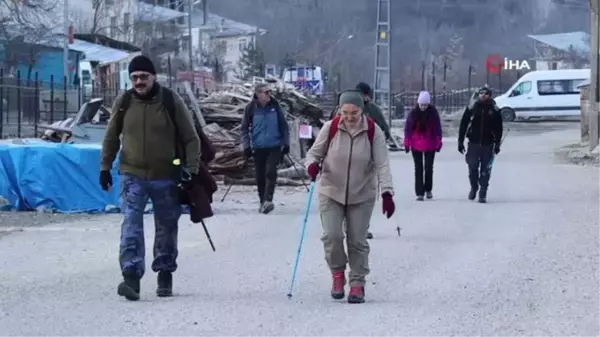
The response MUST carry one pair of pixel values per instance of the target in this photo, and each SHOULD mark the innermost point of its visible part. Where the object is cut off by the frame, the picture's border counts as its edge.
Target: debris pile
(220, 119)
(223, 111)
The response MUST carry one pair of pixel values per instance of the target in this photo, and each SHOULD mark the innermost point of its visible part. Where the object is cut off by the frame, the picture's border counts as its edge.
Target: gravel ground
(526, 263)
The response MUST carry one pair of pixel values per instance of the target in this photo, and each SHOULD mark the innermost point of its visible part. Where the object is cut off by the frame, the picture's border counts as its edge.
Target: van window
(522, 89)
(558, 87)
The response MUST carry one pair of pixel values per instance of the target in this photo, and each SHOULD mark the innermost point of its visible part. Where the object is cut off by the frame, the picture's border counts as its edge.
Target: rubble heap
(223, 111)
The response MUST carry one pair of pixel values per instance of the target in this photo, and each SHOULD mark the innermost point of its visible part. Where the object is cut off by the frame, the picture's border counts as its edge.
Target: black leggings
(423, 168)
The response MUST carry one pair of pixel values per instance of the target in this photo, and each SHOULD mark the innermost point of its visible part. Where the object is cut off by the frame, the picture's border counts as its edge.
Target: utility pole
(66, 39)
(190, 44)
(382, 83)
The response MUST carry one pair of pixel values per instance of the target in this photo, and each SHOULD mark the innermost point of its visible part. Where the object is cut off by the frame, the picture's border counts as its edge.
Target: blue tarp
(57, 177)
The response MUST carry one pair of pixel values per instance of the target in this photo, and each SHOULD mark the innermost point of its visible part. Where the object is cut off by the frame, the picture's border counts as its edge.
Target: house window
(243, 44)
(558, 87)
(185, 43)
(113, 26)
(126, 21)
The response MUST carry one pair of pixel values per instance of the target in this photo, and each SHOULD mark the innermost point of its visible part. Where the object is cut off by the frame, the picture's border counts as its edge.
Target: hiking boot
(130, 287)
(268, 206)
(337, 289)
(429, 195)
(356, 295)
(165, 284)
(482, 196)
(420, 198)
(260, 208)
(472, 194)
(369, 235)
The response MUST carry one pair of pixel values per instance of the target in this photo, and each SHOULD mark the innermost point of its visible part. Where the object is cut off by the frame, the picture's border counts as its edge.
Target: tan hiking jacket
(351, 169)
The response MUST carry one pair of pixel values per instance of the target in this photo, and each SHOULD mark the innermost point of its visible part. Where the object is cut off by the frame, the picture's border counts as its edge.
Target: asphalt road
(526, 263)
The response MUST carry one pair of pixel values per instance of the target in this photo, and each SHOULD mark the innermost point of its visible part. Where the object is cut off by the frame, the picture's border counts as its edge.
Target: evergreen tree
(251, 63)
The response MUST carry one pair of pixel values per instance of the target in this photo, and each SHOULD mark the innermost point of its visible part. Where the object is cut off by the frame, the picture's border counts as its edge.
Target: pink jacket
(430, 139)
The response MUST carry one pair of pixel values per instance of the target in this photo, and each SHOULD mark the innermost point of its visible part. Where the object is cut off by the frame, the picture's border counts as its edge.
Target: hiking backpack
(370, 128)
(168, 101)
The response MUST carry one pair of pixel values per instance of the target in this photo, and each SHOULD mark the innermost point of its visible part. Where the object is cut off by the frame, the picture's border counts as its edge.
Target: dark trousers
(265, 169)
(135, 193)
(478, 159)
(423, 171)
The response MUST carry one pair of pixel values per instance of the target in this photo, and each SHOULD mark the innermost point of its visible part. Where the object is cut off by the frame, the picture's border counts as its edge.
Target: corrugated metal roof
(147, 12)
(96, 52)
(580, 41)
(223, 25)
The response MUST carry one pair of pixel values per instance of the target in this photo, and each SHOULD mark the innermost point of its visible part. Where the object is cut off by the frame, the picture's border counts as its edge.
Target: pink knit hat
(424, 98)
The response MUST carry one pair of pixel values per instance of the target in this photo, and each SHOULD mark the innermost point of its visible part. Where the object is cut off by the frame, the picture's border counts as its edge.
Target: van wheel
(508, 114)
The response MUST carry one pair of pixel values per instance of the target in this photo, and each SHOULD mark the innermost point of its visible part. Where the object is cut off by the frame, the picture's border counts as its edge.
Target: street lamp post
(190, 44)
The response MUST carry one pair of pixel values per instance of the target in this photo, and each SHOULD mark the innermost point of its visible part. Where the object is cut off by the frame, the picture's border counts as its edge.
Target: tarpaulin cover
(54, 177)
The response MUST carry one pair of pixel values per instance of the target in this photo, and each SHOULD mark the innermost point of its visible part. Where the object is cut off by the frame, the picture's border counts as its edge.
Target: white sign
(305, 132)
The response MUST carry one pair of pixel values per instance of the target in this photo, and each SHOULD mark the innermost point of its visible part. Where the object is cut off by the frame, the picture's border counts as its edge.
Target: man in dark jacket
(266, 137)
(482, 124)
(147, 172)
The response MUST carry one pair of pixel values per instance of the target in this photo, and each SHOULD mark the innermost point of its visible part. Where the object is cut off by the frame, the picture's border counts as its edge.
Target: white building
(219, 38)
(213, 36)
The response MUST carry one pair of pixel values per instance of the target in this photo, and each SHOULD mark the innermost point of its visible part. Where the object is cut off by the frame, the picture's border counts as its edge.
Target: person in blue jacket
(265, 137)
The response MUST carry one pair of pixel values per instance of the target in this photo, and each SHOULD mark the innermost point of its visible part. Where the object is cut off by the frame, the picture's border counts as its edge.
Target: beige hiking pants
(357, 219)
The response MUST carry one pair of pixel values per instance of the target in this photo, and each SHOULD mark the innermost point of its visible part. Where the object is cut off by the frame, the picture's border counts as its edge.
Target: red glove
(313, 170)
(388, 204)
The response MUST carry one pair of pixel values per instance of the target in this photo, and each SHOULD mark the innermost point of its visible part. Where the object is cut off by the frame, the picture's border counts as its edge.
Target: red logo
(494, 63)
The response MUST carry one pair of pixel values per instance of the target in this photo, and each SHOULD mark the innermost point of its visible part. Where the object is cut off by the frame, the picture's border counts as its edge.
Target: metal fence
(26, 101)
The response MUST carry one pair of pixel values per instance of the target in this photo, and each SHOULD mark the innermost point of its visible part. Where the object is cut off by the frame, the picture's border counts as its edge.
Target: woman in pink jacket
(423, 136)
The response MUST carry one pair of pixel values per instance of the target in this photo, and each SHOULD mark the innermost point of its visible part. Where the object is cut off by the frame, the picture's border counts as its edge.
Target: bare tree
(26, 30)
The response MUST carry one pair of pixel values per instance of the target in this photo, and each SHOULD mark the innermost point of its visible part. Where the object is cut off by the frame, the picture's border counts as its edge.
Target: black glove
(248, 153)
(496, 148)
(105, 180)
(285, 150)
(406, 149)
(461, 148)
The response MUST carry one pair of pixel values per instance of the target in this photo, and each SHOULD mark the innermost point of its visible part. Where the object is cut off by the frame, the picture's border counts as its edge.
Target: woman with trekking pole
(423, 136)
(351, 154)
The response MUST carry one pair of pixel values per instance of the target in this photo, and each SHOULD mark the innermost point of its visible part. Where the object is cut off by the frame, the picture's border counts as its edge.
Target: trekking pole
(233, 181)
(310, 195)
(493, 155)
(298, 171)
(227, 192)
(208, 236)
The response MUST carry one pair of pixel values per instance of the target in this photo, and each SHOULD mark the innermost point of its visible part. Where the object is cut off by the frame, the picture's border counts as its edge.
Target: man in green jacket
(373, 110)
(149, 138)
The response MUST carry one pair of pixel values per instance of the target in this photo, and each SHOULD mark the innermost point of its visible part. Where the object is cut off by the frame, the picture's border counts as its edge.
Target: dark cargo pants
(478, 159)
(265, 169)
(135, 193)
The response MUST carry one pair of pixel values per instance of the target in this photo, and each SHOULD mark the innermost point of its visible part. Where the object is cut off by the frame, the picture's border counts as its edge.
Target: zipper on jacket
(144, 142)
(349, 165)
(481, 131)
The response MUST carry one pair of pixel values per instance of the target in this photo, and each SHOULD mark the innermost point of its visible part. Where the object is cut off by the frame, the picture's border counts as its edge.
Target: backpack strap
(168, 101)
(334, 127)
(370, 129)
(125, 101)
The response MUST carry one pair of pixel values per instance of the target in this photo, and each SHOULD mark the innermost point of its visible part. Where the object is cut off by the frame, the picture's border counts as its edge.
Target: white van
(543, 93)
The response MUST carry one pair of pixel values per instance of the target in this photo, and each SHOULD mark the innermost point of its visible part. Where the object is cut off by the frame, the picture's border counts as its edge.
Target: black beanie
(141, 63)
(365, 89)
